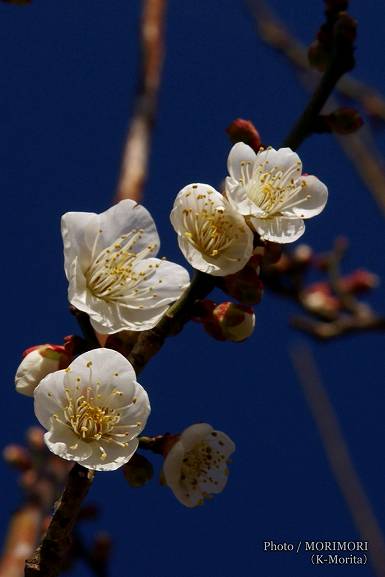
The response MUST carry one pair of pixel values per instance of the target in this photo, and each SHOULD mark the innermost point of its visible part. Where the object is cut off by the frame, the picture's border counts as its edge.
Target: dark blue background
(67, 83)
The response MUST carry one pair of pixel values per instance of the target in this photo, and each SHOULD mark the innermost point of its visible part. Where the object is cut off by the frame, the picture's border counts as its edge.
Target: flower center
(199, 464)
(209, 228)
(272, 190)
(89, 421)
(113, 275)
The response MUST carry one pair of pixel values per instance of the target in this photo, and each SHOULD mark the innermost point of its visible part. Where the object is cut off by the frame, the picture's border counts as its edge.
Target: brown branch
(344, 325)
(22, 535)
(137, 148)
(274, 33)
(49, 557)
(338, 456)
(359, 147)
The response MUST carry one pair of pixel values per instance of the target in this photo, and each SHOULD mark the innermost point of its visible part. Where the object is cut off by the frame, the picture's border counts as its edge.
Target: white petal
(279, 229)
(73, 225)
(104, 366)
(112, 318)
(111, 458)
(50, 397)
(167, 282)
(240, 152)
(221, 442)
(318, 195)
(282, 159)
(237, 196)
(195, 434)
(62, 441)
(172, 465)
(86, 235)
(124, 217)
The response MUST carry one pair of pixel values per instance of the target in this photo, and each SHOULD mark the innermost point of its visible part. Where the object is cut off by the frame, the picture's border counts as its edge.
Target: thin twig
(359, 147)
(338, 456)
(137, 148)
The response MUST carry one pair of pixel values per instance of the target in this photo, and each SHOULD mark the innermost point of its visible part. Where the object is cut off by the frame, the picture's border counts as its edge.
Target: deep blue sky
(67, 81)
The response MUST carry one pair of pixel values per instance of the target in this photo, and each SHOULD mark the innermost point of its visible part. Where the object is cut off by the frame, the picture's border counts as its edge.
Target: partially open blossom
(38, 362)
(93, 410)
(112, 273)
(271, 191)
(196, 466)
(212, 236)
(231, 322)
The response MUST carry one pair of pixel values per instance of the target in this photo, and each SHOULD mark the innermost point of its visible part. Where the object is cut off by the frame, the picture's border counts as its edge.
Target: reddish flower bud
(245, 286)
(231, 322)
(344, 120)
(345, 28)
(39, 361)
(359, 281)
(318, 297)
(17, 457)
(241, 130)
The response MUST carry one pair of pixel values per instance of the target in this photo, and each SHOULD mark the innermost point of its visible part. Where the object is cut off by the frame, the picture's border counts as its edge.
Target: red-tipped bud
(241, 130)
(39, 361)
(245, 286)
(231, 322)
(35, 438)
(319, 299)
(17, 457)
(359, 281)
(344, 120)
(345, 28)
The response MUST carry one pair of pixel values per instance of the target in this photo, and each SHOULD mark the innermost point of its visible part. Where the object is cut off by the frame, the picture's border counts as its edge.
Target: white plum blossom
(112, 273)
(271, 191)
(196, 465)
(213, 237)
(38, 362)
(93, 410)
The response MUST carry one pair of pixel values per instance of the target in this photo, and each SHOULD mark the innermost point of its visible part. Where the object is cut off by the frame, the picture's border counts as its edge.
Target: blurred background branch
(338, 455)
(138, 144)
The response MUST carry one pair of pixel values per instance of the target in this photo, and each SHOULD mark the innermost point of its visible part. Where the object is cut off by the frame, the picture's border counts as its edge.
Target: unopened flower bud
(344, 120)
(359, 281)
(245, 286)
(231, 322)
(241, 130)
(303, 253)
(346, 28)
(17, 457)
(319, 299)
(335, 6)
(38, 362)
(138, 471)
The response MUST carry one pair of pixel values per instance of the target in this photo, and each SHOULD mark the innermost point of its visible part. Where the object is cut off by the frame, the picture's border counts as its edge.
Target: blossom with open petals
(212, 236)
(112, 273)
(196, 465)
(93, 410)
(269, 188)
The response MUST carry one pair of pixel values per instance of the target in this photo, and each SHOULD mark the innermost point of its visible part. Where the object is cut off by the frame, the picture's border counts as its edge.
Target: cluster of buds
(226, 321)
(338, 32)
